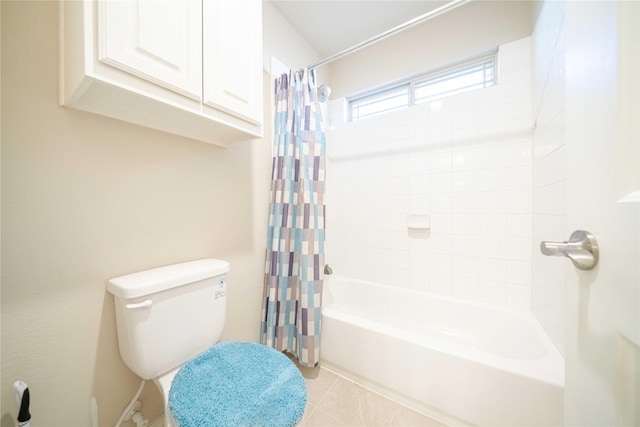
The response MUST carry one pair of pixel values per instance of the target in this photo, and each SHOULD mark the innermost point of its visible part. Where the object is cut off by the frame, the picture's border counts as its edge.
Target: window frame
(441, 75)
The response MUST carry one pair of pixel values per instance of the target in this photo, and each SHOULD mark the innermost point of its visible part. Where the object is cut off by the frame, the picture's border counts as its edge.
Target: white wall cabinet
(192, 67)
(158, 41)
(226, 43)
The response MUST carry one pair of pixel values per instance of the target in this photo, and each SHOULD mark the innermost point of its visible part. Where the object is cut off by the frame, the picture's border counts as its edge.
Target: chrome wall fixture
(581, 249)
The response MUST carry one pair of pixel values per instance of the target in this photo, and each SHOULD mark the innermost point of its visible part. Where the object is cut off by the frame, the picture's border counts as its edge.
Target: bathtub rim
(549, 368)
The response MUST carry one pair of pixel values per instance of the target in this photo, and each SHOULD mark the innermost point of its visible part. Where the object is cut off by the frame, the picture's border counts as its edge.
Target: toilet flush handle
(144, 304)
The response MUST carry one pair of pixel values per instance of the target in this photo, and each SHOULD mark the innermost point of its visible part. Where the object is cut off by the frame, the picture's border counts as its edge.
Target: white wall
(549, 169)
(465, 161)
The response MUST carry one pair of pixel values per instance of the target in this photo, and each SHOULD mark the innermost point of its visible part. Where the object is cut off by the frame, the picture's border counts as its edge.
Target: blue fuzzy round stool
(238, 384)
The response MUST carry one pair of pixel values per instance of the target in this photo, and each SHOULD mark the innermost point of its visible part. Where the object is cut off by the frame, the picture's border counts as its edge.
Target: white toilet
(171, 317)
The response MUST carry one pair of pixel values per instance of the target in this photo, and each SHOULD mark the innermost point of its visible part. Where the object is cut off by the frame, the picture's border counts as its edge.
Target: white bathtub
(465, 363)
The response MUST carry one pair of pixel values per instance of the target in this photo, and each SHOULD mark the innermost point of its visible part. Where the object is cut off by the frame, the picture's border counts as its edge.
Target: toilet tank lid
(160, 279)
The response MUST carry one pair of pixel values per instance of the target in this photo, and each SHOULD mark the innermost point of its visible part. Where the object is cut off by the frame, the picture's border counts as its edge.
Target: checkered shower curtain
(292, 298)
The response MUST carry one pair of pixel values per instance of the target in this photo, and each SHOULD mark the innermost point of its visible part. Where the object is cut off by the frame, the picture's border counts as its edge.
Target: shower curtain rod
(412, 22)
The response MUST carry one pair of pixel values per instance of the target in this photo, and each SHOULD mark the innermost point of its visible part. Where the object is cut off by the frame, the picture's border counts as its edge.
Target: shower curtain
(292, 297)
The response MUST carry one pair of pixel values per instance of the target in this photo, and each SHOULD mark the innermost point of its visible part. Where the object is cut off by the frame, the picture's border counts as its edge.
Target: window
(464, 78)
(380, 102)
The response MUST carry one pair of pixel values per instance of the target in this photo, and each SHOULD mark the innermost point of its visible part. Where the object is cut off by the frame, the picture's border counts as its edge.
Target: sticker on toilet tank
(219, 292)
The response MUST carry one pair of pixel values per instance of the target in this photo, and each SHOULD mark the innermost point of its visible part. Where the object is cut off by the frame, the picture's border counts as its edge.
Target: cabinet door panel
(157, 40)
(232, 55)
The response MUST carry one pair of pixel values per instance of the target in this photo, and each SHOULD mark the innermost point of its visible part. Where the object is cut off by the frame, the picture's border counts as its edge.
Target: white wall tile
(465, 266)
(441, 243)
(518, 178)
(441, 223)
(396, 204)
(492, 110)
(393, 185)
(519, 153)
(420, 242)
(465, 245)
(466, 202)
(440, 263)
(492, 202)
(551, 169)
(465, 181)
(440, 161)
(440, 182)
(493, 247)
(398, 240)
(418, 163)
(519, 201)
(519, 272)
(519, 248)
(467, 161)
(519, 225)
(465, 223)
(419, 280)
(441, 202)
(441, 283)
(398, 165)
(492, 269)
(463, 139)
(519, 296)
(465, 287)
(492, 292)
(549, 161)
(418, 203)
(419, 184)
(492, 157)
(399, 259)
(550, 199)
(518, 106)
(492, 224)
(492, 179)
(419, 261)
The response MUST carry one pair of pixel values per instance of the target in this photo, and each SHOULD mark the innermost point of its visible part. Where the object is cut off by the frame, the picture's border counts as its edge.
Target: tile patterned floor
(335, 401)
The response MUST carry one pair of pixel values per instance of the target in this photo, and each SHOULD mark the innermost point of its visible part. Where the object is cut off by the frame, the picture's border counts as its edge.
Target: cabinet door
(232, 55)
(157, 40)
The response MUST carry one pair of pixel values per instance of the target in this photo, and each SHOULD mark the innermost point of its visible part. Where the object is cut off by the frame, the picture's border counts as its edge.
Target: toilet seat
(237, 383)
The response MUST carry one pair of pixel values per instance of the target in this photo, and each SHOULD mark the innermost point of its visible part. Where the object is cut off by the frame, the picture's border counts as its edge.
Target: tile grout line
(324, 395)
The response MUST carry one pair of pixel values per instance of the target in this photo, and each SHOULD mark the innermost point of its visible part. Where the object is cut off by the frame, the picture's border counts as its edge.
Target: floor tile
(335, 401)
(407, 417)
(321, 419)
(356, 405)
(318, 387)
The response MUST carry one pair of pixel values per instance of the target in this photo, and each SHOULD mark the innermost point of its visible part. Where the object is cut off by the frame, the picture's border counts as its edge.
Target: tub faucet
(328, 269)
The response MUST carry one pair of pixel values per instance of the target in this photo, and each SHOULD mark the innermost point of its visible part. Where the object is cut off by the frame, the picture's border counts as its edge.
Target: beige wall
(281, 40)
(86, 198)
(466, 31)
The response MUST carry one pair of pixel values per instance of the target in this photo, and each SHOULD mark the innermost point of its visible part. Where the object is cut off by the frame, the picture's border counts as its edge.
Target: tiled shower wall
(466, 161)
(549, 169)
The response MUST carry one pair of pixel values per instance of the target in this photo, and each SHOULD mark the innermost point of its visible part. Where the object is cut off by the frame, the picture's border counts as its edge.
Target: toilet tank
(168, 315)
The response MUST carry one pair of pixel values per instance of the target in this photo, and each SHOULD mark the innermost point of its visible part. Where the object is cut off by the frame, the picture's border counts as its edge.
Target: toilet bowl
(170, 322)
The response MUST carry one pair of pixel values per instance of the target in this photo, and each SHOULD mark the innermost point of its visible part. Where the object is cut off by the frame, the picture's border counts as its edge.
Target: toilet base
(164, 385)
